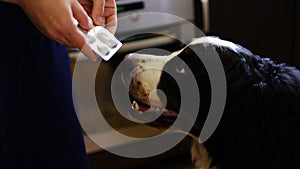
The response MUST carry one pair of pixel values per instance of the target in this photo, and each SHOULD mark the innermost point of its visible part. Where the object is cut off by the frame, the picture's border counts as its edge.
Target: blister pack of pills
(103, 43)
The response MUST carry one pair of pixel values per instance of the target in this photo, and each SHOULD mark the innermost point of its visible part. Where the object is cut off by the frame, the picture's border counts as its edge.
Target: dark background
(270, 28)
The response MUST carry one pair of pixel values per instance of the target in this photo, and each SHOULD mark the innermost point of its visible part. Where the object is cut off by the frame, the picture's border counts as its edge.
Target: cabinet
(297, 36)
(269, 28)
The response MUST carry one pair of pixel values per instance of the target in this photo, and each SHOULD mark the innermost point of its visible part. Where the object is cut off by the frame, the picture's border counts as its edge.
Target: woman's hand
(103, 12)
(55, 19)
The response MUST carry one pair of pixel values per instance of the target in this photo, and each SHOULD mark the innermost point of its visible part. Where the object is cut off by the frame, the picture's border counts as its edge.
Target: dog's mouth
(162, 117)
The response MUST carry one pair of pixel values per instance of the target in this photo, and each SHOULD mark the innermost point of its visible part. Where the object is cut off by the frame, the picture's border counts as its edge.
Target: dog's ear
(192, 55)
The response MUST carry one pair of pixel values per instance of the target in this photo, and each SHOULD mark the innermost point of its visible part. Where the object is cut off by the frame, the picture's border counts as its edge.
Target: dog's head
(146, 74)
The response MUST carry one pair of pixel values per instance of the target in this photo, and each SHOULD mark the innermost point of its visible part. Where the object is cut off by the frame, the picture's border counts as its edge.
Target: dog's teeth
(135, 105)
(158, 109)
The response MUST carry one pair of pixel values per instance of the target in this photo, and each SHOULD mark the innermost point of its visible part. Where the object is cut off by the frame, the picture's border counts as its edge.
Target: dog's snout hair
(142, 74)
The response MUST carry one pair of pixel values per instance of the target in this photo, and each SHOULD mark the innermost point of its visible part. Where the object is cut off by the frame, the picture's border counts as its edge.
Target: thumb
(81, 16)
(98, 12)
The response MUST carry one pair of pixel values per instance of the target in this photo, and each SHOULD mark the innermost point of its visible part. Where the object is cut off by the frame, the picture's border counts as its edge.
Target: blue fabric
(38, 125)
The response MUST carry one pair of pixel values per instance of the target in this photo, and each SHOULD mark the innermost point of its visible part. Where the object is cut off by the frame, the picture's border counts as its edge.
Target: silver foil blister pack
(102, 42)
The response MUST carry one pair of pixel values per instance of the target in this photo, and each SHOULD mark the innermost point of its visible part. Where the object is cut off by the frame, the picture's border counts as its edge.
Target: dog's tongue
(169, 113)
(168, 117)
(141, 108)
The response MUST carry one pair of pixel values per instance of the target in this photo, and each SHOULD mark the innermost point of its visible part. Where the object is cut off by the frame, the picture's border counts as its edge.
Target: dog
(260, 125)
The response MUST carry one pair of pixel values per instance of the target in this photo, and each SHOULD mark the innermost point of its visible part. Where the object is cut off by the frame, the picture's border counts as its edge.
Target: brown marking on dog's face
(143, 75)
(141, 87)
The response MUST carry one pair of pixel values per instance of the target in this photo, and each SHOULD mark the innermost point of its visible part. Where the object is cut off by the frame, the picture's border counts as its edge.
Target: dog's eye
(180, 69)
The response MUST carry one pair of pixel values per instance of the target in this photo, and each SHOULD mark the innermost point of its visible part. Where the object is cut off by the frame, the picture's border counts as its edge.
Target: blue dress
(38, 125)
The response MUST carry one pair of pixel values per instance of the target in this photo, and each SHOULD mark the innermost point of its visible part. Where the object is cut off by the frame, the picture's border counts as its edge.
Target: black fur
(260, 127)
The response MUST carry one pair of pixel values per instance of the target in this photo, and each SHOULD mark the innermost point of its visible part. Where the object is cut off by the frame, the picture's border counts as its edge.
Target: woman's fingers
(98, 12)
(110, 14)
(81, 16)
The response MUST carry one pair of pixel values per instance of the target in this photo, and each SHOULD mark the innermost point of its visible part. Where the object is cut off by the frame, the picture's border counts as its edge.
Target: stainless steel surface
(180, 8)
(145, 43)
(206, 16)
(136, 21)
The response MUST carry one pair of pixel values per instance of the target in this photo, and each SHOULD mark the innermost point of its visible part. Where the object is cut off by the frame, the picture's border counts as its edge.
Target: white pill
(105, 38)
(90, 38)
(103, 49)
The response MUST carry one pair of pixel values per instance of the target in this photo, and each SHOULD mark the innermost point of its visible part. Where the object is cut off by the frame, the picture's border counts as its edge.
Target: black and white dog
(260, 126)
